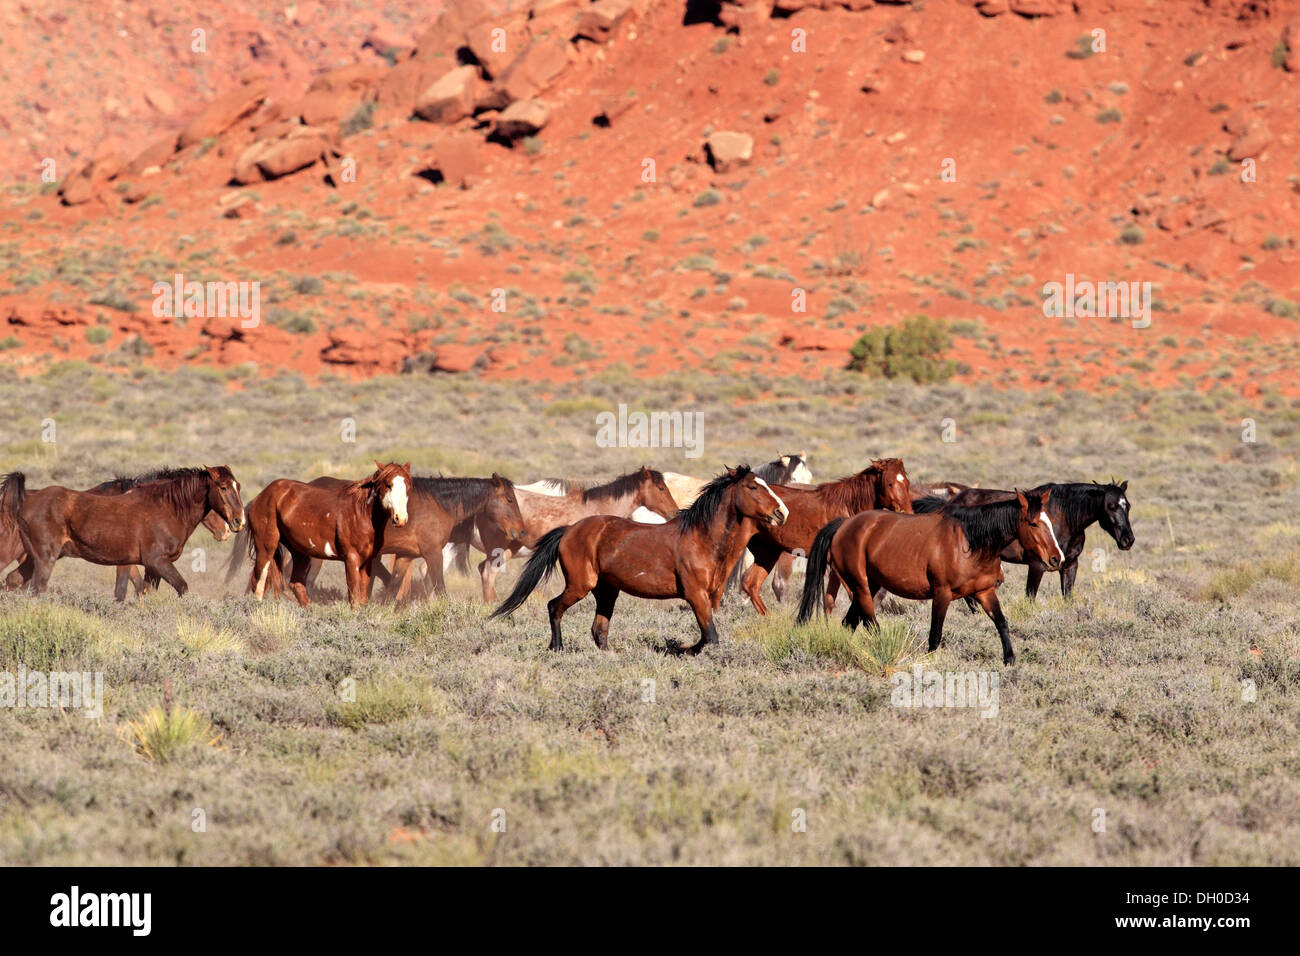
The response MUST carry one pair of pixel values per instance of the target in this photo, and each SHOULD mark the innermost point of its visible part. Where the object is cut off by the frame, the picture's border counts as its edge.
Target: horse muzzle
(1054, 564)
(776, 518)
(1126, 543)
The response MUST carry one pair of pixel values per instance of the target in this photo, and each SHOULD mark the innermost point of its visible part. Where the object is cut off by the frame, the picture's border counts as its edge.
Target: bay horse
(347, 523)
(883, 484)
(1074, 507)
(644, 487)
(688, 557)
(781, 470)
(948, 554)
(945, 490)
(146, 525)
(436, 506)
(11, 546)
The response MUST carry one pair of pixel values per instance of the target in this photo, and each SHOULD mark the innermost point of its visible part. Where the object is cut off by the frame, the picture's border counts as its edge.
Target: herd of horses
(648, 533)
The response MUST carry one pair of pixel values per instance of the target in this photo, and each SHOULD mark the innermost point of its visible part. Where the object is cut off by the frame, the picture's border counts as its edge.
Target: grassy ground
(468, 742)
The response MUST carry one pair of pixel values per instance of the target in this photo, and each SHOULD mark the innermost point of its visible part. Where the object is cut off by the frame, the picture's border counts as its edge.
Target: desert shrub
(915, 349)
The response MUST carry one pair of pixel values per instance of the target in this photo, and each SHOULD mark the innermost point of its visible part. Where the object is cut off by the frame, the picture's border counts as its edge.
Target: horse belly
(890, 560)
(640, 569)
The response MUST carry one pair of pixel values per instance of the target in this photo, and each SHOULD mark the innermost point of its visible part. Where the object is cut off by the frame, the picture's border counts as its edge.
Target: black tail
(814, 581)
(536, 571)
(13, 493)
(928, 505)
(461, 536)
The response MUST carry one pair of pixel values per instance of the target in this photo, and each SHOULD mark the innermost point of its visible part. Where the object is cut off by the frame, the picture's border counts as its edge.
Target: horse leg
(1070, 569)
(313, 572)
(487, 571)
(21, 574)
(42, 565)
(989, 601)
(122, 575)
(938, 611)
(703, 609)
(298, 577)
(356, 577)
(1035, 578)
(862, 607)
(765, 558)
(403, 573)
(433, 561)
(781, 575)
(832, 589)
(167, 571)
(573, 593)
(606, 595)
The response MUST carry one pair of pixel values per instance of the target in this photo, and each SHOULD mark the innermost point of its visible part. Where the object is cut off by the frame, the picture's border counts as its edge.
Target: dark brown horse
(146, 525)
(688, 557)
(345, 524)
(883, 484)
(938, 557)
(436, 506)
(1074, 507)
(11, 546)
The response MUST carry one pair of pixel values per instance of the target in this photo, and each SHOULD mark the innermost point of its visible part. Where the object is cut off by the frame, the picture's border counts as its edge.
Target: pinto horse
(147, 525)
(347, 523)
(688, 557)
(1074, 506)
(953, 553)
(644, 488)
(883, 484)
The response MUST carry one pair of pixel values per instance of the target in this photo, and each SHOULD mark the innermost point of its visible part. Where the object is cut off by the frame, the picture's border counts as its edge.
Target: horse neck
(622, 506)
(460, 508)
(857, 493)
(725, 535)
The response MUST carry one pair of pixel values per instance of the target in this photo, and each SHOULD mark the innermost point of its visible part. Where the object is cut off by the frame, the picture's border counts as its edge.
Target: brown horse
(938, 489)
(883, 484)
(346, 523)
(688, 557)
(644, 488)
(436, 506)
(11, 546)
(937, 557)
(147, 525)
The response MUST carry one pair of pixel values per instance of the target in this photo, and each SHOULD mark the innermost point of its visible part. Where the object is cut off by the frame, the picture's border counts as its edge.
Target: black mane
(620, 487)
(991, 527)
(1080, 503)
(454, 492)
(126, 483)
(701, 512)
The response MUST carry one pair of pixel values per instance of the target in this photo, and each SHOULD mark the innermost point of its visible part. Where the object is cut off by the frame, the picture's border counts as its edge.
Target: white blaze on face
(395, 500)
(1052, 531)
(899, 479)
(780, 505)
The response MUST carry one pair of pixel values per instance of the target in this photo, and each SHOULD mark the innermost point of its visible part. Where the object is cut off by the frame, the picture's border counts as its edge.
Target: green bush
(915, 349)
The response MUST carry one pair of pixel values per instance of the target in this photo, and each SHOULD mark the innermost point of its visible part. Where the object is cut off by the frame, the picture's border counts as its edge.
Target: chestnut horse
(542, 512)
(437, 505)
(1074, 506)
(688, 557)
(883, 484)
(146, 525)
(949, 554)
(347, 524)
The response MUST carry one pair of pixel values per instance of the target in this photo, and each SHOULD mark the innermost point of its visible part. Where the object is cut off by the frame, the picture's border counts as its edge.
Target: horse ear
(1124, 486)
(803, 456)
(1046, 494)
(407, 466)
(1024, 502)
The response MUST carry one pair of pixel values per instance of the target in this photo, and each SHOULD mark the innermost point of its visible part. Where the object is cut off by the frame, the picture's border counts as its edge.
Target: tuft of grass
(163, 733)
(879, 651)
(914, 349)
(1237, 580)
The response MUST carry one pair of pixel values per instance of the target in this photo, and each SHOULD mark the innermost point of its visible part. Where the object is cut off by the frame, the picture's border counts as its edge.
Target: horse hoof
(1008, 659)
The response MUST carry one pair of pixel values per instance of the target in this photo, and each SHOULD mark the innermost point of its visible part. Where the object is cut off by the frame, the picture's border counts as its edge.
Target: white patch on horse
(801, 474)
(898, 478)
(780, 505)
(645, 516)
(329, 552)
(1053, 533)
(261, 580)
(394, 500)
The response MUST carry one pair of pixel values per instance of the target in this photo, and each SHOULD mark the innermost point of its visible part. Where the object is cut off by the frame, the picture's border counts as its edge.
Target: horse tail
(243, 549)
(13, 494)
(462, 557)
(736, 580)
(928, 505)
(814, 580)
(538, 569)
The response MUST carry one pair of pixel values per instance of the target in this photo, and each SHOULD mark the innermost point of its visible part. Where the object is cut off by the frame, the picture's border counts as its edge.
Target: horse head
(1035, 531)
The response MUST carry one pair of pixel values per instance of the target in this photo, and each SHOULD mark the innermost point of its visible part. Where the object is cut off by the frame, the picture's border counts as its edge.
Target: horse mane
(1080, 502)
(177, 491)
(620, 487)
(562, 485)
(851, 491)
(929, 504)
(774, 472)
(126, 483)
(453, 492)
(988, 527)
(698, 516)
